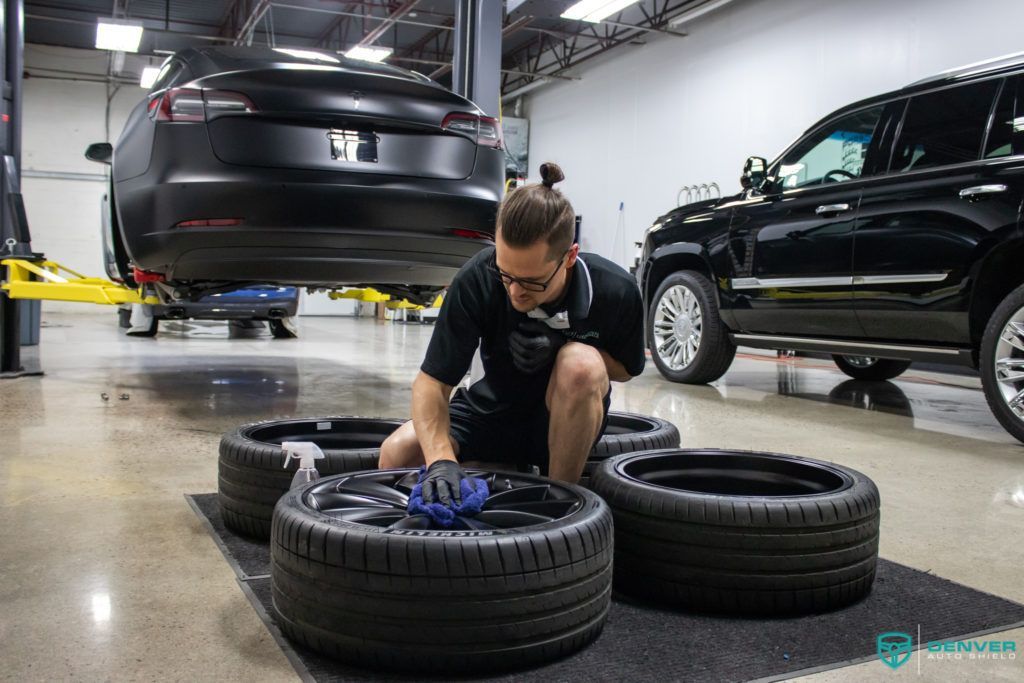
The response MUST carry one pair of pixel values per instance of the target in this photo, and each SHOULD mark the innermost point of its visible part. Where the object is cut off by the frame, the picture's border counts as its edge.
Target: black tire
(742, 533)
(871, 369)
(441, 601)
(629, 433)
(715, 351)
(251, 473)
(1010, 308)
(283, 328)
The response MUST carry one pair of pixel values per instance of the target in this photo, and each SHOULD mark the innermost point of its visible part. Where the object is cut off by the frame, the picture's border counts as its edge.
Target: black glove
(534, 346)
(443, 481)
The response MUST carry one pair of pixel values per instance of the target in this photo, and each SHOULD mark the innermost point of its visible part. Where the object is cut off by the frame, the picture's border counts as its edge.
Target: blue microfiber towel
(474, 495)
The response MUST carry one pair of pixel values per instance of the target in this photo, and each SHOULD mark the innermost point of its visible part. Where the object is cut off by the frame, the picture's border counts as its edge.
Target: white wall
(748, 80)
(61, 119)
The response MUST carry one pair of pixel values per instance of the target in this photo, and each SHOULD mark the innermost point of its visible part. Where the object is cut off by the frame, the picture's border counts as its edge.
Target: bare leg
(402, 448)
(575, 400)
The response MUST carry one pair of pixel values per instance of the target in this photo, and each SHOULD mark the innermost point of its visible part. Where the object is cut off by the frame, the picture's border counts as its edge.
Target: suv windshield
(834, 154)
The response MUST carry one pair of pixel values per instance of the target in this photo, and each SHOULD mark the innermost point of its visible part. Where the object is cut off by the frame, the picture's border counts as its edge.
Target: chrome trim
(898, 279)
(981, 190)
(783, 282)
(755, 283)
(832, 208)
(831, 343)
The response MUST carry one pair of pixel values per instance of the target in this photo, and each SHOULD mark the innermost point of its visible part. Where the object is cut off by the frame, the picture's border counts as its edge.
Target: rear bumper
(298, 226)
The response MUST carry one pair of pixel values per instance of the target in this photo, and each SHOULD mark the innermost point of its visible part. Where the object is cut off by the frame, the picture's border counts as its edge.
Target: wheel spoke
(677, 358)
(331, 500)
(374, 490)
(1017, 404)
(524, 494)
(1013, 334)
(1010, 370)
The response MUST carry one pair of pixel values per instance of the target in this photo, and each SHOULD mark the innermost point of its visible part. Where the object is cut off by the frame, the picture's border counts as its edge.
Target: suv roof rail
(975, 68)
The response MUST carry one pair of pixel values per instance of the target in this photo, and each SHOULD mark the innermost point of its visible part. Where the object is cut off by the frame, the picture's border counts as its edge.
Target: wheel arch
(998, 275)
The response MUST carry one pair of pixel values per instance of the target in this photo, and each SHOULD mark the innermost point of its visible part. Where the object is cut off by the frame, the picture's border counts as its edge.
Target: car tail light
(209, 223)
(484, 129)
(181, 104)
(191, 104)
(472, 234)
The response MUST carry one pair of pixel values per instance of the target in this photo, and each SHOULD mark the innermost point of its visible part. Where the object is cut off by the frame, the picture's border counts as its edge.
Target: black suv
(890, 232)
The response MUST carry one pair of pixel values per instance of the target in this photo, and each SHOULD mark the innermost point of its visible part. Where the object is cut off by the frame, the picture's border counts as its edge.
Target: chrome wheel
(1009, 363)
(678, 327)
(861, 361)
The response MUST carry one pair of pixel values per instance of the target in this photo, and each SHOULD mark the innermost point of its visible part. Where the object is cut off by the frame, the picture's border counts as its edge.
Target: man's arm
(616, 370)
(431, 419)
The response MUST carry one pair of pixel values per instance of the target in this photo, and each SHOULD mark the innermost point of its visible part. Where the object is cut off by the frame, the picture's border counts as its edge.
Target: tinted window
(169, 72)
(1007, 134)
(833, 154)
(944, 127)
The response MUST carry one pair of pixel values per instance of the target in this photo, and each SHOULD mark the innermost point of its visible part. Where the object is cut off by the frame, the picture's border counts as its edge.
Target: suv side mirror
(100, 152)
(755, 172)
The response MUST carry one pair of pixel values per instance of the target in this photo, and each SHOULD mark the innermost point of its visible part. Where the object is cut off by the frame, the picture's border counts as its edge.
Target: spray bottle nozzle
(306, 452)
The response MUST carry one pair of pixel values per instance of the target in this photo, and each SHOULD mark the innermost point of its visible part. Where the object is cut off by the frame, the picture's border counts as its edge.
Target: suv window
(944, 127)
(833, 154)
(1007, 135)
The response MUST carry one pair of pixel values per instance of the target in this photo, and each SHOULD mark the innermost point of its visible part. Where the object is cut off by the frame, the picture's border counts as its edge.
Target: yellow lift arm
(372, 296)
(43, 280)
(49, 284)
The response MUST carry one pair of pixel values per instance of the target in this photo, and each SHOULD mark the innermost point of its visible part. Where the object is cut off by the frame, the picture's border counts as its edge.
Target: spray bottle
(307, 453)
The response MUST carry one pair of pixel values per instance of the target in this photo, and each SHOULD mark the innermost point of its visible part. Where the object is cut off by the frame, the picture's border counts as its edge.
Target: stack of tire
(252, 475)
(741, 532)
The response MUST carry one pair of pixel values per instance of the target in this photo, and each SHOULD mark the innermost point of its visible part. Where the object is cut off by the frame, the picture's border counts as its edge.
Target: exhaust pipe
(276, 314)
(175, 313)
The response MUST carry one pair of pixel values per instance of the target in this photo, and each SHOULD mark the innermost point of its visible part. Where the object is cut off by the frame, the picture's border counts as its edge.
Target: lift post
(15, 240)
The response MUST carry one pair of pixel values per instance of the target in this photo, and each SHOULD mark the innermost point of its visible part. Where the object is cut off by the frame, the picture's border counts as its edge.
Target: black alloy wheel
(741, 532)
(357, 578)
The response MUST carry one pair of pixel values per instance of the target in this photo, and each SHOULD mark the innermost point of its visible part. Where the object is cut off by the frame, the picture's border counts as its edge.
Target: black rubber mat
(643, 643)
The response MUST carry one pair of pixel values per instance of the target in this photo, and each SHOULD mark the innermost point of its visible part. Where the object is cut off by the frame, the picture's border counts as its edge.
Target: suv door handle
(980, 190)
(831, 208)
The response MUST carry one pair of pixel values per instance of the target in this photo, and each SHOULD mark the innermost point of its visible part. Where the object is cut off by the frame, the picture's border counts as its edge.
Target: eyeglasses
(528, 285)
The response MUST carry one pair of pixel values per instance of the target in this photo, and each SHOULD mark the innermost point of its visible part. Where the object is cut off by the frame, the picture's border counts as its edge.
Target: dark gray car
(248, 164)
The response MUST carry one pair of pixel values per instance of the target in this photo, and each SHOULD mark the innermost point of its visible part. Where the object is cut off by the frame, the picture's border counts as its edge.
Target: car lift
(31, 276)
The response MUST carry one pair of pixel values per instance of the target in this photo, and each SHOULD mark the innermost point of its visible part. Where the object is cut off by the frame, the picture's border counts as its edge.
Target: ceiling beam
(371, 37)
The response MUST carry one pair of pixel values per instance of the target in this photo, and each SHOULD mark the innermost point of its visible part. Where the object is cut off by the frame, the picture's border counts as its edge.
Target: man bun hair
(550, 174)
(534, 212)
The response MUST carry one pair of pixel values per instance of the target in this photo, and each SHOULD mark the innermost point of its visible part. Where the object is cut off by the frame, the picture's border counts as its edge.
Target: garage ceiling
(537, 42)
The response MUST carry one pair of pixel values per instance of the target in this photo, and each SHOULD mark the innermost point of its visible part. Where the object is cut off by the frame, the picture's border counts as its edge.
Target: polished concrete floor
(107, 574)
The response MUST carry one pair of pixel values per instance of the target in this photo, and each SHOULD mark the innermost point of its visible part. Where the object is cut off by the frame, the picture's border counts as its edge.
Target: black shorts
(516, 436)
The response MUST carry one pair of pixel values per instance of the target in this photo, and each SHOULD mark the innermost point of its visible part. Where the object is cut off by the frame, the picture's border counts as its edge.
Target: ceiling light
(121, 36)
(369, 54)
(149, 75)
(308, 54)
(700, 11)
(596, 10)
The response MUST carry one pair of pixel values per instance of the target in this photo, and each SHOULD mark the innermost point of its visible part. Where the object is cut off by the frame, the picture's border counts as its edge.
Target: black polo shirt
(602, 307)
